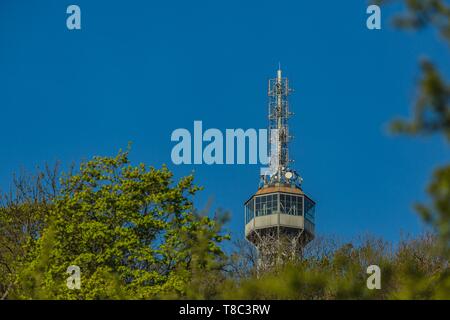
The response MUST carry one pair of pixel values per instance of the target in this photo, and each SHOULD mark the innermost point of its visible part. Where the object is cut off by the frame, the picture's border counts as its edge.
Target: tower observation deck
(279, 217)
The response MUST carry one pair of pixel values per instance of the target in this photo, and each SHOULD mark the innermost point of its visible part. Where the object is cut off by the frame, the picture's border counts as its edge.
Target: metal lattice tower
(278, 119)
(279, 217)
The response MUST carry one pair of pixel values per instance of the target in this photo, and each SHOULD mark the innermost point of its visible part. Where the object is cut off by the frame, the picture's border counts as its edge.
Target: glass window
(249, 210)
(291, 204)
(309, 210)
(267, 204)
(286, 203)
(300, 205)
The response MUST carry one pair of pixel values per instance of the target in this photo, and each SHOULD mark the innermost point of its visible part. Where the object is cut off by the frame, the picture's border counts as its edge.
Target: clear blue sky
(140, 69)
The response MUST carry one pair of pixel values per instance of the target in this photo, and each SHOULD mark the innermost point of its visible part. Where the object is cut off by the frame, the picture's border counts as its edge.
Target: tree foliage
(334, 270)
(22, 214)
(131, 230)
(431, 112)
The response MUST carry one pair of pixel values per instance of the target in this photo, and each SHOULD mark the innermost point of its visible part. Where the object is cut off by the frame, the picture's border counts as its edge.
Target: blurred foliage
(419, 14)
(431, 110)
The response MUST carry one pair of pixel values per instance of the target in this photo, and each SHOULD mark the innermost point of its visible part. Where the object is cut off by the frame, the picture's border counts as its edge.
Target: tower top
(279, 217)
(280, 172)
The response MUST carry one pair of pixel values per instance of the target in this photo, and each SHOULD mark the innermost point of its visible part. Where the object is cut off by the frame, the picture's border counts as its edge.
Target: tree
(412, 270)
(22, 218)
(431, 110)
(130, 230)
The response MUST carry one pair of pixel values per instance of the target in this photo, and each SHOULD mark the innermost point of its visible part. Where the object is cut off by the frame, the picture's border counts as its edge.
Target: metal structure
(278, 126)
(279, 217)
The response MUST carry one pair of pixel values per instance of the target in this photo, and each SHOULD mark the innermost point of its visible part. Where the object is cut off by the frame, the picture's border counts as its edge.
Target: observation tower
(279, 217)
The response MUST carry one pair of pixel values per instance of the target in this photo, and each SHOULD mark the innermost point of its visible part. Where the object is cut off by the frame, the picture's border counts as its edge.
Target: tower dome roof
(272, 189)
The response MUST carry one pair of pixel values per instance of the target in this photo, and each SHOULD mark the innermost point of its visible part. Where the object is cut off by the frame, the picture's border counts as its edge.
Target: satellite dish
(288, 175)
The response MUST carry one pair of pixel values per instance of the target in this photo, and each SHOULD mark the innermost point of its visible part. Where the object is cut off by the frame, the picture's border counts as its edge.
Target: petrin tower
(279, 217)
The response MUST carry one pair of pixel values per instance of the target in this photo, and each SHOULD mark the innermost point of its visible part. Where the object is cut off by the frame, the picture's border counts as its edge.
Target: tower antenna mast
(279, 137)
